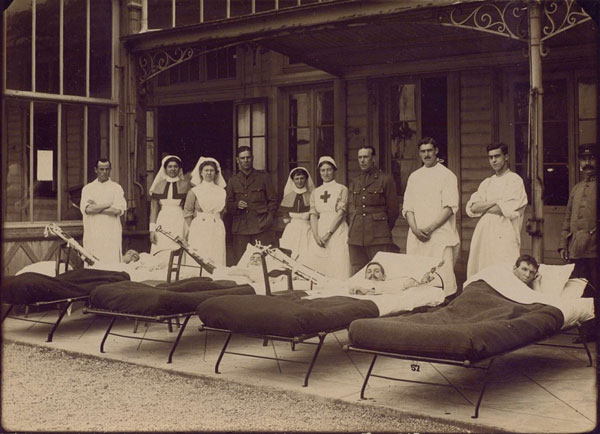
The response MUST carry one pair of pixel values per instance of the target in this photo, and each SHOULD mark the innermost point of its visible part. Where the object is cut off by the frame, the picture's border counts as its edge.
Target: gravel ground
(51, 390)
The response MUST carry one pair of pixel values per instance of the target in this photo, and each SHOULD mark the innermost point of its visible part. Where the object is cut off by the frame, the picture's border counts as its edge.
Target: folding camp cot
(471, 331)
(166, 303)
(33, 290)
(292, 318)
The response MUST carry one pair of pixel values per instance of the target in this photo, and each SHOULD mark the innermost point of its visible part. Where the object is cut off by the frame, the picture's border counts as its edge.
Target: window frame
(312, 91)
(60, 99)
(251, 136)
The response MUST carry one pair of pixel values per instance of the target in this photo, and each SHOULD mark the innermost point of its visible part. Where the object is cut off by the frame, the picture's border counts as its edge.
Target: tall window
(164, 14)
(411, 109)
(587, 119)
(251, 130)
(55, 133)
(310, 127)
(556, 140)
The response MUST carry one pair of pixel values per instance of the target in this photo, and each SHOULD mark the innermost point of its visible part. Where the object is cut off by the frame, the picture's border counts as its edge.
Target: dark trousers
(588, 269)
(240, 243)
(362, 255)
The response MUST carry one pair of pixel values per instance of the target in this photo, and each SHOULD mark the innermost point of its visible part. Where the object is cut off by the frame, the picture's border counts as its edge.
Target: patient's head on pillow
(131, 255)
(375, 271)
(254, 260)
(526, 269)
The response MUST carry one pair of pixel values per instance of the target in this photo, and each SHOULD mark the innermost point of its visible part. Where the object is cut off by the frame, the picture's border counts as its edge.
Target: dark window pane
(160, 14)
(287, 3)
(45, 135)
(215, 10)
(16, 156)
(18, 45)
(74, 47)
(100, 48)
(433, 112)
(325, 108)
(241, 7)
(187, 12)
(72, 165)
(522, 102)
(521, 131)
(98, 138)
(221, 64)
(556, 185)
(325, 141)
(556, 148)
(555, 100)
(46, 46)
(264, 5)
(306, 2)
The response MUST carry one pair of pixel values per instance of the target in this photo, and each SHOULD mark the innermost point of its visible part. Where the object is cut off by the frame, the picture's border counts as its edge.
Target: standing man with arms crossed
(102, 205)
(579, 235)
(252, 201)
(374, 209)
(430, 205)
(500, 201)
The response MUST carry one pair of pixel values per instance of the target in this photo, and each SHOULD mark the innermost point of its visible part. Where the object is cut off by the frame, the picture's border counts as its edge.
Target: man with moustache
(373, 211)
(500, 203)
(579, 235)
(430, 205)
(102, 205)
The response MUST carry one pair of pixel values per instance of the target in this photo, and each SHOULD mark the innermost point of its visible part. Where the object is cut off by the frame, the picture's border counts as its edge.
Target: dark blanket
(140, 299)
(283, 316)
(194, 284)
(475, 325)
(29, 288)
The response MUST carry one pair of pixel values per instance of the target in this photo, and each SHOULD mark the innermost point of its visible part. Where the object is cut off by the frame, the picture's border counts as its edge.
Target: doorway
(197, 130)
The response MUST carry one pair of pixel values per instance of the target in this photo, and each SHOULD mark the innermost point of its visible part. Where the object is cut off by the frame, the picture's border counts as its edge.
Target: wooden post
(536, 137)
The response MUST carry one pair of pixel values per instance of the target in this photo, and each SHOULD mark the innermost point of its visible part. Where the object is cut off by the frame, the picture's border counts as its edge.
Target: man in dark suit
(374, 209)
(252, 202)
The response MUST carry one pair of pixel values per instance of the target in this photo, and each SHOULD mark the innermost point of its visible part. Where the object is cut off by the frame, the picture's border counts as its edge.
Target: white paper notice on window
(44, 165)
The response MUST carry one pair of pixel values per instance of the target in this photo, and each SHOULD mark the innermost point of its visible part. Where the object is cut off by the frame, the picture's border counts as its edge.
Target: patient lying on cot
(375, 281)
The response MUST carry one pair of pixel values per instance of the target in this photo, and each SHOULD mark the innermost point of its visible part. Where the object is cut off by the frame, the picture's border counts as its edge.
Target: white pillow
(399, 265)
(272, 263)
(574, 288)
(553, 279)
(47, 268)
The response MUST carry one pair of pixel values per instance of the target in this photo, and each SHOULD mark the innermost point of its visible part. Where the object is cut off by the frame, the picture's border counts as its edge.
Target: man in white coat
(430, 205)
(500, 201)
(102, 204)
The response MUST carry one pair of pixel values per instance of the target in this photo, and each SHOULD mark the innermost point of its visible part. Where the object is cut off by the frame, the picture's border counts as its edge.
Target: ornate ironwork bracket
(153, 63)
(510, 19)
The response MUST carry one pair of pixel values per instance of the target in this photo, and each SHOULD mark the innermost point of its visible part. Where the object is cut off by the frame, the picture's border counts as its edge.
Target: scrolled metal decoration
(153, 63)
(557, 19)
(508, 21)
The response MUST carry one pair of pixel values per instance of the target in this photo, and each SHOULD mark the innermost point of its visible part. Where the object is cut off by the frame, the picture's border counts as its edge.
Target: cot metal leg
(60, 317)
(265, 342)
(185, 321)
(293, 344)
(112, 321)
(364, 386)
(135, 325)
(314, 359)
(170, 325)
(485, 380)
(583, 339)
(222, 353)
(10, 307)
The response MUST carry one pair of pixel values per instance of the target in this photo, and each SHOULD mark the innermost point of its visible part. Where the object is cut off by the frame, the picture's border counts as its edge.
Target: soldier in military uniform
(374, 209)
(252, 202)
(579, 235)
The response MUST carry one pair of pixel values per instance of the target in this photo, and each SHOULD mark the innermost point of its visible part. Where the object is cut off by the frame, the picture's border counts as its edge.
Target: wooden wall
(476, 132)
